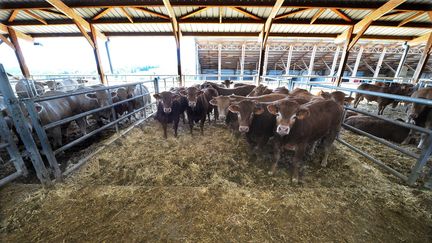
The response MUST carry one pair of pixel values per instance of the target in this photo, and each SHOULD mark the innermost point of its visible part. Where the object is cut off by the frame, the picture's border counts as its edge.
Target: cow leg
(57, 136)
(175, 126)
(327, 145)
(183, 117)
(191, 124)
(82, 124)
(202, 124)
(357, 100)
(276, 156)
(297, 170)
(409, 137)
(216, 114)
(164, 127)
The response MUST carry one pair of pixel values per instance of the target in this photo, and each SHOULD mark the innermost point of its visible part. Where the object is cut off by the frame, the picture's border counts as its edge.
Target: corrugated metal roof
(134, 27)
(221, 27)
(374, 30)
(281, 28)
(48, 29)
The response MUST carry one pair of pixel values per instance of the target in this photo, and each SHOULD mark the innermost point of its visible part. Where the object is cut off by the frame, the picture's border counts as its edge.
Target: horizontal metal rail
(402, 124)
(79, 140)
(3, 145)
(72, 118)
(376, 161)
(383, 141)
(10, 178)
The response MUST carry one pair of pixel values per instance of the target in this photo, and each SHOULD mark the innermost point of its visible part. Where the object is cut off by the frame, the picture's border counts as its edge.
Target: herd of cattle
(54, 110)
(293, 120)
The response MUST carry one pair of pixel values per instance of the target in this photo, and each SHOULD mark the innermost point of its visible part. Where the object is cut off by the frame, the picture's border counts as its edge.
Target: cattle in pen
(169, 108)
(197, 108)
(242, 90)
(382, 102)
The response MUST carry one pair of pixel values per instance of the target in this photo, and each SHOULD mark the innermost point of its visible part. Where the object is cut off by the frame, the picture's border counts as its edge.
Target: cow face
(191, 94)
(245, 111)
(287, 112)
(166, 98)
(227, 83)
(222, 103)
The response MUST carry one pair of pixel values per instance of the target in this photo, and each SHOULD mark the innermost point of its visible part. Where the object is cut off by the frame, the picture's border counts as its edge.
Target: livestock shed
(275, 121)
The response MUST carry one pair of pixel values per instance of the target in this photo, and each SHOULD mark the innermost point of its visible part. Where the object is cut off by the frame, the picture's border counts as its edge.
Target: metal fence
(23, 111)
(419, 159)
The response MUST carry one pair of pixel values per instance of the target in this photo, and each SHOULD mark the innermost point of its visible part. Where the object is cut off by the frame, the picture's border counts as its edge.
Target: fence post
(156, 85)
(416, 170)
(18, 118)
(43, 138)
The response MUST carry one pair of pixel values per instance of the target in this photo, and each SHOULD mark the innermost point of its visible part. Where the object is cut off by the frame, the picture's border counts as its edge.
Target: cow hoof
(270, 173)
(324, 164)
(295, 181)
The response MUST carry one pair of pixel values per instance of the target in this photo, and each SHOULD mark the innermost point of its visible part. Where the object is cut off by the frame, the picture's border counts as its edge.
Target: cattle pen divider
(421, 159)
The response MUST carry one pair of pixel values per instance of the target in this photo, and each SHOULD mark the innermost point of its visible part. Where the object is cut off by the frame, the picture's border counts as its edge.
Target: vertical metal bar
(242, 60)
(113, 113)
(428, 183)
(264, 72)
(312, 60)
(219, 61)
(43, 138)
(288, 63)
(403, 60)
(12, 105)
(11, 148)
(335, 58)
(357, 63)
(380, 61)
(197, 64)
(156, 85)
(109, 55)
(421, 162)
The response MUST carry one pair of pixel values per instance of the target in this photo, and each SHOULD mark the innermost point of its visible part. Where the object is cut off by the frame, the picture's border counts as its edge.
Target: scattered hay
(209, 188)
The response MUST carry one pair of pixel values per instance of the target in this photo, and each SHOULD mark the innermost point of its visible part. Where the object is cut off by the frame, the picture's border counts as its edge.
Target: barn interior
(122, 181)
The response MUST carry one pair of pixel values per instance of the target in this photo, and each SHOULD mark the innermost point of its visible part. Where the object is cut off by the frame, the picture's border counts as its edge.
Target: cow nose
(244, 129)
(282, 130)
(167, 110)
(221, 117)
(192, 103)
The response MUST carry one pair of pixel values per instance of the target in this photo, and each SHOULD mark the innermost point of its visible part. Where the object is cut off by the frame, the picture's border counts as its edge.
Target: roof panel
(48, 29)
(248, 28)
(373, 30)
(281, 28)
(134, 27)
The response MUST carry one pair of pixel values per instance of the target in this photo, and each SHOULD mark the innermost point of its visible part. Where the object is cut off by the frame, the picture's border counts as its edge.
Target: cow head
(287, 113)
(222, 103)
(227, 83)
(191, 94)
(245, 110)
(166, 98)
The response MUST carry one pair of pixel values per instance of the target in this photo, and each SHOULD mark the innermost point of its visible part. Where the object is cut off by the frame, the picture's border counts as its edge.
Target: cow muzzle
(283, 130)
(192, 104)
(222, 117)
(167, 110)
(243, 128)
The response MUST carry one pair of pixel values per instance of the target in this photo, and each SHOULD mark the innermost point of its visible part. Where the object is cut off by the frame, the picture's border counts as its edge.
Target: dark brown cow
(222, 103)
(421, 115)
(227, 83)
(281, 90)
(382, 102)
(301, 93)
(259, 90)
(169, 108)
(338, 96)
(261, 98)
(242, 90)
(379, 128)
(301, 126)
(240, 84)
(210, 93)
(197, 108)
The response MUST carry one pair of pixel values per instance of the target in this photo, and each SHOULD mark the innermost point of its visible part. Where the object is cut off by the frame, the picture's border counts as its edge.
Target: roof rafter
(4, 30)
(50, 11)
(102, 13)
(7, 41)
(420, 40)
(281, 16)
(341, 14)
(411, 18)
(35, 16)
(128, 16)
(317, 15)
(194, 12)
(145, 10)
(247, 13)
(13, 15)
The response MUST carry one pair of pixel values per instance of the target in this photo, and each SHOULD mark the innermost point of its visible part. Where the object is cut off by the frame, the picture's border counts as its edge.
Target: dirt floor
(208, 188)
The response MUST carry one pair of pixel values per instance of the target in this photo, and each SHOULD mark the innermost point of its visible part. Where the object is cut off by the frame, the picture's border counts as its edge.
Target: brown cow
(379, 128)
(338, 96)
(281, 90)
(169, 108)
(197, 108)
(222, 103)
(300, 126)
(242, 90)
(259, 90)
(261, 98)
(227, 83)
(382, 102)
(301, 93)
(210, 93)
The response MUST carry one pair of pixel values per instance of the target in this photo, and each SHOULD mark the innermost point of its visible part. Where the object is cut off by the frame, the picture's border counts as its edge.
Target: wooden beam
(81, 23)
(281, 16)
(13, 15)
(317, 15)
(98, 59)
(394, 13)
(163, 16)
(102, 13)
(35, 16)
(430, 15)
(245, 12)
(411, 18)
(419, 40)
(195, 12)
(423, 59)
(50, 11)
(85, 34)
(18, 52)
(128, 16)
(341, 14)
(344, 56)
(177, 36)
(4, 30)
(7, 42)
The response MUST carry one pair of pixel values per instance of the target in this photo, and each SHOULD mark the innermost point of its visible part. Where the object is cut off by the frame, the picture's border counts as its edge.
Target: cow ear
(113, 94)
(234, 108)
(176, 96)
(183, 93)
(213, 102)
(259, 110)
(231, 82)
(200, 92)
(302, 113)
(157, 96)
(348, 99)
(91, 95)
(39, 108)
(273, 109)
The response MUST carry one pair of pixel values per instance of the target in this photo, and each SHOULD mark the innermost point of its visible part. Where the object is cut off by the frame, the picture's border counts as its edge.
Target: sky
(74, 55)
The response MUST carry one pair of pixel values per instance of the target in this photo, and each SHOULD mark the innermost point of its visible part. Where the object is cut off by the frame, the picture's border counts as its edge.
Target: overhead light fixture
(37, 44)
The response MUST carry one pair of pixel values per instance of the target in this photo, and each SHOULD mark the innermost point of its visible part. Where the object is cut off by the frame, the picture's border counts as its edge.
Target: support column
(344, 56)
(380, 61)
(357, 63)
(333, 67)
(403, 60)
(242, 60)
(219, 61)
(288, 64)
(197, 66)
(423, 59)
(109, 55)
(97, 55)
(18, 52)
(312, 60)
(264, 71)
